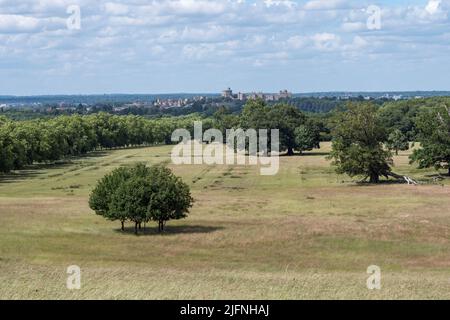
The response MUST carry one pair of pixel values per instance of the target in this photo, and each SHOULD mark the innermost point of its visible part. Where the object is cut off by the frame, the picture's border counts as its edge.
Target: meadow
(305, 233)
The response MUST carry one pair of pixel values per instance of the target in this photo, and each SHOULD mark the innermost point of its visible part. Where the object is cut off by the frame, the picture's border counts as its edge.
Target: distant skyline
(415, 93)
(200, 46)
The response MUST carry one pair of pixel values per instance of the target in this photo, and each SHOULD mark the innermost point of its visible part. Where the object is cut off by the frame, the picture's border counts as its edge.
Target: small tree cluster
(297, 131)
(141, 194)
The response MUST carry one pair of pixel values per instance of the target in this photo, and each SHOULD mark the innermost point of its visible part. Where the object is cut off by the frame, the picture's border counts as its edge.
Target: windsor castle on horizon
(283, 94)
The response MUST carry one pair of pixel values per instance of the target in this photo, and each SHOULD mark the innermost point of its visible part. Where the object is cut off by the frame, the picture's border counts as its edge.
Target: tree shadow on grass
(314, 154)
(36, 170)
(152, 230)
(18, 176)
(381, 183)
(384, 182)
(437, 176)
(32, 171)
(305, 154)
(94, 154)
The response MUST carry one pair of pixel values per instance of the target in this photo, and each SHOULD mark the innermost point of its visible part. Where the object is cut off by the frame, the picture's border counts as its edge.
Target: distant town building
(228, 93)
(283, 94)
(177, 103)
(252, 96)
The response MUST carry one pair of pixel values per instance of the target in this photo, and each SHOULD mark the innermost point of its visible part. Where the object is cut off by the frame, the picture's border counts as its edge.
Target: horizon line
(213, 93)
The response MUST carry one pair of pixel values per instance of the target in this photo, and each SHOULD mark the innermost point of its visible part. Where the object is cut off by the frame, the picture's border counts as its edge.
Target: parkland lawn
(305, 233)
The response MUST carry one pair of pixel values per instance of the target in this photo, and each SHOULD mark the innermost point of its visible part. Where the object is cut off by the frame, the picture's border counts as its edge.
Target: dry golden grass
(303, 234)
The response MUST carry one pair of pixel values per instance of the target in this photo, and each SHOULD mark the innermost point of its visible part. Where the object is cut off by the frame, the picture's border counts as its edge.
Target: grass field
(303, 234)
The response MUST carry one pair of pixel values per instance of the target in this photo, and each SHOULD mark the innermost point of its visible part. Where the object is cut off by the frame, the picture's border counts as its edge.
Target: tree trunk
(374, 178)
(290, 151)
(123, 226)
(161, 226)
(399, 177)
(449, 169)
(140, 226)
(135, 228)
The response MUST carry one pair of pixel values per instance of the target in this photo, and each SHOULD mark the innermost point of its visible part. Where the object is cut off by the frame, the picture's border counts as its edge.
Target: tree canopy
(141, 194)
(307, 137)
(397, 141)
(358, 144)
(296, 130)
(434, 136)
(44, 140)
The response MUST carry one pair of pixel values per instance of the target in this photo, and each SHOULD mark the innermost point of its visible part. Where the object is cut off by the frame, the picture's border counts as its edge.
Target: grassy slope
(305, 233)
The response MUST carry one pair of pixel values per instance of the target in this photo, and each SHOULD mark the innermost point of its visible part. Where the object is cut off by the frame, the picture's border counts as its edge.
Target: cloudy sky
(166, 46)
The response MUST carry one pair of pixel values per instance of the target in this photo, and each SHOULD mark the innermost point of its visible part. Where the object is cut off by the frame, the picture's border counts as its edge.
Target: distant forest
(205, 107)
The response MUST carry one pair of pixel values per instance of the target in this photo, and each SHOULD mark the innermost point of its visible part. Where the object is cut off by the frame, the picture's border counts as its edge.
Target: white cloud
(285, 3)
(326, 41)
(116, 8)
(354, 26)
(197, 52)
(188, 7)
(324, 4)
(433, 6)
(18, 23)
(119, 34)
(296, 42)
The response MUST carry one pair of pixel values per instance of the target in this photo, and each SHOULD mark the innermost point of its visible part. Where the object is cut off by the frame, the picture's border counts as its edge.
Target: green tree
(13, 150)
(224, 120)
(101, 197)
(358, 143)
(170, 198)
(131, 200)
(255, 115)
(307, 137)
(397, 141)
(141, 194)
(287, 119)
(434, 136)
(6, 147)
(400, 115)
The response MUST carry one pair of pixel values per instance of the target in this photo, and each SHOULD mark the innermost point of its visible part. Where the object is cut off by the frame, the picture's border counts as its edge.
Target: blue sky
(171, 46)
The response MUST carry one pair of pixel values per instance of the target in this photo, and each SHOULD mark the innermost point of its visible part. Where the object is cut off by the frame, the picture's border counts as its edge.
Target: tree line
(23, 143)
(298, 132)
(47, 140)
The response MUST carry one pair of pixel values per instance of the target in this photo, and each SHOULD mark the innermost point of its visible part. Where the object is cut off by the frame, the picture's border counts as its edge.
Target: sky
(201, 46)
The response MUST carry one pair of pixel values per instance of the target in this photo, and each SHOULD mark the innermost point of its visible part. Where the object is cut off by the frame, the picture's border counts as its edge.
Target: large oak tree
(358, 143)
(434, 136)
